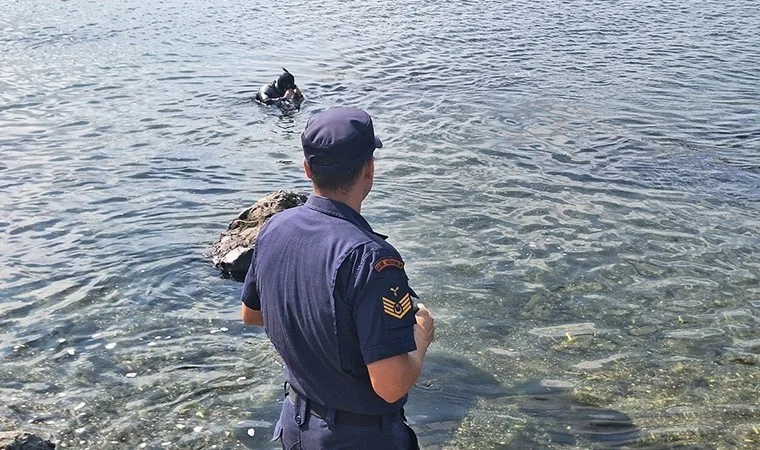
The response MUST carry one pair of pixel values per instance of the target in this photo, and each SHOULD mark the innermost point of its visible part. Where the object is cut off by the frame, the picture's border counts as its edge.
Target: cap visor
(378, 142)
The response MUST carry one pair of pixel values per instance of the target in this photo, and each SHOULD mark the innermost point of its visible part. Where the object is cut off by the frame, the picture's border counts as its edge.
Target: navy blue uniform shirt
(335, 297)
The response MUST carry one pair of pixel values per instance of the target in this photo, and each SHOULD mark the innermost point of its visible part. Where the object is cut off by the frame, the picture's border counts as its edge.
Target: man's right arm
(393, 339)
(393, 377)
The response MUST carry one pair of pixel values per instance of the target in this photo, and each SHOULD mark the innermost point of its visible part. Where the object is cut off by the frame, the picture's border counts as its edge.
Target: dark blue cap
(338, 140)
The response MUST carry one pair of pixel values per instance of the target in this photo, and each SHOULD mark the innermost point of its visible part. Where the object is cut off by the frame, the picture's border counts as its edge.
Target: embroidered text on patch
(389, 262)
(397, 309)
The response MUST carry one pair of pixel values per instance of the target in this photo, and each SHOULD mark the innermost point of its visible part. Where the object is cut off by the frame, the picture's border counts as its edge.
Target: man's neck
(353, 199)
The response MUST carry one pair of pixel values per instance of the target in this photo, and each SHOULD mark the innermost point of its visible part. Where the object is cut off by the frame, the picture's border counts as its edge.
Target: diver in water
(281, 91)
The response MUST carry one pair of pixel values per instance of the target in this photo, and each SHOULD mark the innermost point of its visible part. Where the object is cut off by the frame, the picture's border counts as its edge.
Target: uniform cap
(338, 140)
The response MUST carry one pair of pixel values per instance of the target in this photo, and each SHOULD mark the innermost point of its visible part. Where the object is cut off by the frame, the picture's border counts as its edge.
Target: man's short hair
(338, 181)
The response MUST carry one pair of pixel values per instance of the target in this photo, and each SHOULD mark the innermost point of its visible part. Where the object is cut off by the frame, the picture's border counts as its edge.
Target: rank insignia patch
(397, 309)
(389, 262)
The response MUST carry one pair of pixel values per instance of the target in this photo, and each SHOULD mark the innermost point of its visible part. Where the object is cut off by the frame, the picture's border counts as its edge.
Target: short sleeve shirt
(335, 297)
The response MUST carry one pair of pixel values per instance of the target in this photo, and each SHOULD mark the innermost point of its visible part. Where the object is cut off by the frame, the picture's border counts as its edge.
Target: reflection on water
(574, 186)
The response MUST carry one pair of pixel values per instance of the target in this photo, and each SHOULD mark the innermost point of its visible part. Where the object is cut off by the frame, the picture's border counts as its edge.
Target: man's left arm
(251, 316)
(251, 303)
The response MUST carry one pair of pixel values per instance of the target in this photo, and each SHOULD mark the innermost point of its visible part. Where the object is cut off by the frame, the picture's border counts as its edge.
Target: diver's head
(286, 80)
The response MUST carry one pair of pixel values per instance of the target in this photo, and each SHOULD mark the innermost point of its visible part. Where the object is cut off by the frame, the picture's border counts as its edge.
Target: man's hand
(424, 329)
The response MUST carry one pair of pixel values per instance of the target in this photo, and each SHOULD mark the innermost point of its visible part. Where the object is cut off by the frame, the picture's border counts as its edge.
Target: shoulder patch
(397, 308)
(389, 262)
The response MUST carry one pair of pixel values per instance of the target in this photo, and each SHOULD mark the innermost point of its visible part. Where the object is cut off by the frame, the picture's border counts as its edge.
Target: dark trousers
(301, 430)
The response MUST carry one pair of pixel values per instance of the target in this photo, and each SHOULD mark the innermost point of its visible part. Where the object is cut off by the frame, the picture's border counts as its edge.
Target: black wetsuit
(270, 93)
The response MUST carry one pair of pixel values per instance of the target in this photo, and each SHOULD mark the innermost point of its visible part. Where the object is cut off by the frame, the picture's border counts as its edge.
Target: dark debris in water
(26, 441)
(745, 360)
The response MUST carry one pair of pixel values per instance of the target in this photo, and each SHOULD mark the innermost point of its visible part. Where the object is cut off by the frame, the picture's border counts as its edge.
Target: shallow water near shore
(574, 186)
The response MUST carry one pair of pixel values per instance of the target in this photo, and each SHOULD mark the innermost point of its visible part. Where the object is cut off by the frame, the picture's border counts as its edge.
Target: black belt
(344, 417)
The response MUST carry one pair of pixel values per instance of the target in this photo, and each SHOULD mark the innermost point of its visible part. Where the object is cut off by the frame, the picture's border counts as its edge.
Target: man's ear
(306, 169)
(369, 168)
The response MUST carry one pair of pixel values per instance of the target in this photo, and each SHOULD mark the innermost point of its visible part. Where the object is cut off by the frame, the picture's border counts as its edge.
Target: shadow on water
(572, 421)
(257, 434)
(457, 405)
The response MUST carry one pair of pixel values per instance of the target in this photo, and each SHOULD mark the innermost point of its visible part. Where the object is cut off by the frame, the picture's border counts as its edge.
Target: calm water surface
(575, 186)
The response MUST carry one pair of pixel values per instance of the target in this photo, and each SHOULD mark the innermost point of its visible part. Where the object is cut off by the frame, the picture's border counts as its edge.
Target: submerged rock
(232, 251)
(24, 441)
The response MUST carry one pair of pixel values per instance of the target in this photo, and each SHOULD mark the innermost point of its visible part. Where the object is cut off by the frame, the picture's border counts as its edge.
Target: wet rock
(745, 360)
(566, 331)
(232, 251)
(25, 441)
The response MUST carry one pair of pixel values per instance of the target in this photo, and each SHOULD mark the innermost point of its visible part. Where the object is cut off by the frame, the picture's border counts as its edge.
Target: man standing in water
(334, 299)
